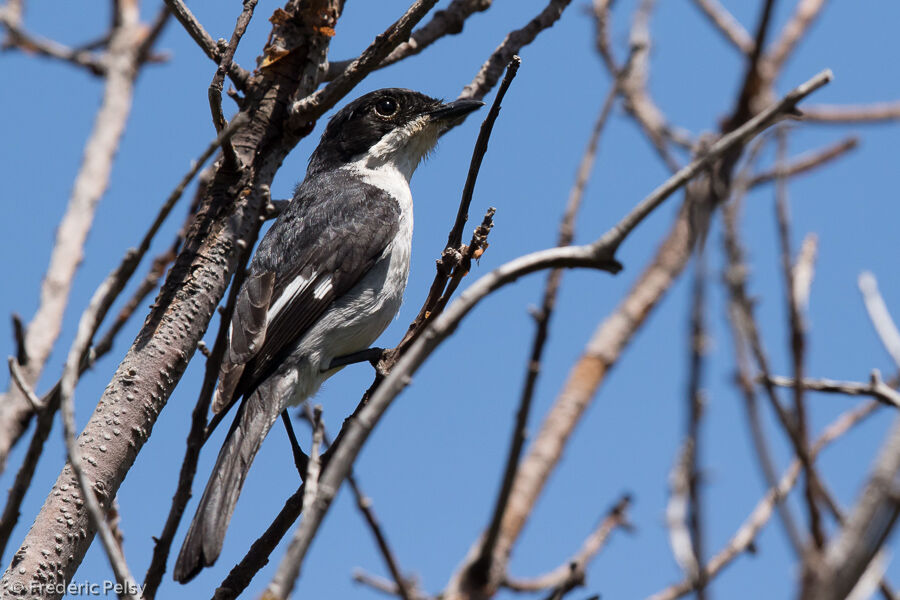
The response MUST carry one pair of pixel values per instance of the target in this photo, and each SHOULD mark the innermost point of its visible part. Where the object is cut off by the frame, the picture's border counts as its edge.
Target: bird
(325, 281)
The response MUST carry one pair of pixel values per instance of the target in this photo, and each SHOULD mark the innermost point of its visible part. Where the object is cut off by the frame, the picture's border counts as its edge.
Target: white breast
(357, 318)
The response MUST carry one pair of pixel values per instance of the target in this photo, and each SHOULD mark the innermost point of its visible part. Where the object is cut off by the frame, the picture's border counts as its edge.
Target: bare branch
(90, 184)
(745, 332)
(448, 21)
(26, 42)
(842, 114)
(571, 573)
(803, 271)
(735, 139)
(512, 44)
(199, 34)
(876, 388)
(84, 490)
(452, 256)
(797, 347)
(726, 24)
(879, 315)
(289, 569)
(806, 162)
(542, 318)
(313, 106)
(805, 13)
(633, 86)
(215, 88)
(742, 540)
(19, 378)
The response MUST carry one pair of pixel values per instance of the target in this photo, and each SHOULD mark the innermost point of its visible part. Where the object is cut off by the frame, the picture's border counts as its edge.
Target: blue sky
(433, 464)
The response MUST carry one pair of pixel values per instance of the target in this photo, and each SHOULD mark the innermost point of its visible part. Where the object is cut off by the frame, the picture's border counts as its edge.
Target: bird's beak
(454, 111)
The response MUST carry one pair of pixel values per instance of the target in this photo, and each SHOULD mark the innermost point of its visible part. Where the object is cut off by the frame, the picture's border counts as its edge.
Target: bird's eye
(386, 107)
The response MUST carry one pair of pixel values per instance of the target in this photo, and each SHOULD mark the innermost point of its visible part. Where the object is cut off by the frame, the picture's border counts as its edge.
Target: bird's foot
(370, 355)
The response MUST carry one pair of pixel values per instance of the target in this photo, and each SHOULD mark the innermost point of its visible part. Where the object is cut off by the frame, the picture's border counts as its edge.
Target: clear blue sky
(433, 464)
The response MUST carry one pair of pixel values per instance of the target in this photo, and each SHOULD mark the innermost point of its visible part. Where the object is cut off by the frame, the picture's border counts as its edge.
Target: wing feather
(329, 237)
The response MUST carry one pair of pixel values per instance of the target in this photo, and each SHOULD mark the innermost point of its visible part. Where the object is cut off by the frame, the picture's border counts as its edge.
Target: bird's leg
(371, 355)
(301, 460)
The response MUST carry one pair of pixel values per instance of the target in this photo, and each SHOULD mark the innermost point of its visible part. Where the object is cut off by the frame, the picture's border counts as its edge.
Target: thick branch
(229, 216)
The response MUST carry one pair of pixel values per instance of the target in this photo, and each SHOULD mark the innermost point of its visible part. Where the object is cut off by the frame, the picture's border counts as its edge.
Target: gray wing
(331, 234)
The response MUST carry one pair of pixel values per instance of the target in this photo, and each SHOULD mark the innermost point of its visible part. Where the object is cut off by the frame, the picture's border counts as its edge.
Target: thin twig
(696, 401)
(19, 336)
(726, 24)
(199, 34)
(214, 93)
(512, 44)
(403, 587)
(806, 162)
(542, 324)
(451, 256)
(571, 573)
(744, 333)
(448, 21)
(879, 315)
(783, 48)
(876, 388)
(737, 138)
(634, 87)
(282, 583)
(797, 343)
(23, 40)
(19, 378)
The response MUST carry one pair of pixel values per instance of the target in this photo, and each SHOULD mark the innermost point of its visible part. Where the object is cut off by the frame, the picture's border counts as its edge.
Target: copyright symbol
(18, 587)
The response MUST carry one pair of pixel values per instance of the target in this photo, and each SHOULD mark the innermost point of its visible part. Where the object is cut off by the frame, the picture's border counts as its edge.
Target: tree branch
(746, 534)
(448, 21)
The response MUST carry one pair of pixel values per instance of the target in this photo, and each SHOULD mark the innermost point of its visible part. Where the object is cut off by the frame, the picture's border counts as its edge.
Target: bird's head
(392, 126)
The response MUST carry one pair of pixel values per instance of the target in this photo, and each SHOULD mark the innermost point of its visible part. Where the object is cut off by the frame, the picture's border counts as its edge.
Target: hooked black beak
(456, 110)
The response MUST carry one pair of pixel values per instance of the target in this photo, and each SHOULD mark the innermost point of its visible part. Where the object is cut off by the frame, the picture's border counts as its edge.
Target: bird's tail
(203, 542)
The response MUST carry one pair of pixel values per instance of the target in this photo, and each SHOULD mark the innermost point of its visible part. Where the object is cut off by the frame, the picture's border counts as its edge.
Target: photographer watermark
(75, 588)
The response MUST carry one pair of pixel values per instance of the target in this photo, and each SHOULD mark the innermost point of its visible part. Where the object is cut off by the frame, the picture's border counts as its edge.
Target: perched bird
(325, 281)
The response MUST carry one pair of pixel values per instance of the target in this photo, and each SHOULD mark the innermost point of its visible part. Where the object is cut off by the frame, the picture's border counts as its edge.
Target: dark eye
(386, 107)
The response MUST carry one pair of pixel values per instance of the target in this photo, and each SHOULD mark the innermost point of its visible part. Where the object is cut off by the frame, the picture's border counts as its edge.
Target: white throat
(403, 148)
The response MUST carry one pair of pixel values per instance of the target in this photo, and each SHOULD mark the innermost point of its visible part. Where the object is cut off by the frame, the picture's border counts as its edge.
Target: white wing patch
(323, 288)
(290, 292)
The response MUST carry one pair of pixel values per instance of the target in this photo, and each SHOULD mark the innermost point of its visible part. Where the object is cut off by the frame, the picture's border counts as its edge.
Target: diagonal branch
(542, 321)
(571, 574)
(726, 24)
(448, 21)
(805, 162)
(122, 65)
(198, 33)
(879, 315)
(804, 15)
(313, 106)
